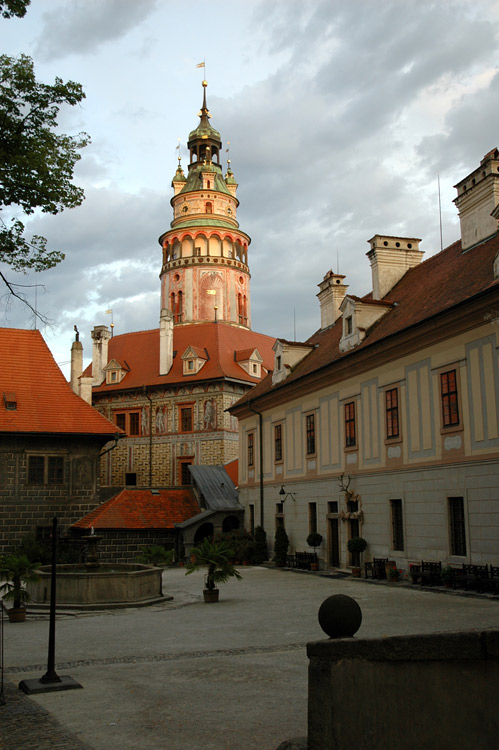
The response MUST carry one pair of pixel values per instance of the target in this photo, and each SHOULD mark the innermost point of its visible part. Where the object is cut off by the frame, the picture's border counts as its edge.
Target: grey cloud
(85, 25)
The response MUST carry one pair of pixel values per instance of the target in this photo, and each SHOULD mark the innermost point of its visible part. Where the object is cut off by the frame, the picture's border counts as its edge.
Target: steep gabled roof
(439, 284)
(45, 402)
(216, 487)
(142, 509)
(140, 350)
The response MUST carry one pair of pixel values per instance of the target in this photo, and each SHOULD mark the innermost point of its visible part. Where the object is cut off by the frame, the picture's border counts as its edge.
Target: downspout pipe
(260, 424)
(144, 388)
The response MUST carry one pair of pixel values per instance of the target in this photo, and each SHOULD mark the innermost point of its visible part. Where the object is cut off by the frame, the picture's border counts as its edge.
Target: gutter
(144, 388)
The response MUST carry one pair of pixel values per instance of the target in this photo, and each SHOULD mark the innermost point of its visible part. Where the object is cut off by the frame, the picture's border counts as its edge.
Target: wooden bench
(426, 574)
(301, 560)
(473, 577)
(376, 568)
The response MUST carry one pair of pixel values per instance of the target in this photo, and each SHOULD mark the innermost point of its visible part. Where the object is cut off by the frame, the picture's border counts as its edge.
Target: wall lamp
(284, 495)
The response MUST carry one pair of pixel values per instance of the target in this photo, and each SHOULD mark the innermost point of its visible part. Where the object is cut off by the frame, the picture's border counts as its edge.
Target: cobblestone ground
(24, 724)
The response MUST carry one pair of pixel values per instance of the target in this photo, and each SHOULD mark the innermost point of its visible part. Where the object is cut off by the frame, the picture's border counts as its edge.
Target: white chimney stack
(477, 199)
(331, 295)
(391, 258)
(100, 336)
(165, 341)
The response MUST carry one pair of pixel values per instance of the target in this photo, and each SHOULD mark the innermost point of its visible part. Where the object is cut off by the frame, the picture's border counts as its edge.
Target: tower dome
(204, 273)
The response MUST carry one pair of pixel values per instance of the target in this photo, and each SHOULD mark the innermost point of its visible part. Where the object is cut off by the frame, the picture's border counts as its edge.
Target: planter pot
(210, 595)
(356, 572)
(17, 615)
(314, 566)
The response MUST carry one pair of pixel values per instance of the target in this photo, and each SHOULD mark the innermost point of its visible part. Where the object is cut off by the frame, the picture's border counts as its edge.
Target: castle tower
(204, 273)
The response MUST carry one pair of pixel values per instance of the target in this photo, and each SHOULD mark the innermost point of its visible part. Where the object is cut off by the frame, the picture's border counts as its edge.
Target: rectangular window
(251, 449)
(397, 525)
(392, 413)
(450, 410)
(121, 421)
(310, 434)
(350, 436)
(186, 419)
(312, 518)
(278, 442)
(131, 479)
(332, 506)
(133, 423)
(36, 469)
(457, 526)
(185, 474)
(45, 469)
(348, 325)
(55, 473)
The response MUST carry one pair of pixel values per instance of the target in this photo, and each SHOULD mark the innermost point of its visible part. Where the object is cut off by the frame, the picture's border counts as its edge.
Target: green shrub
(261, 552)
(281, 545)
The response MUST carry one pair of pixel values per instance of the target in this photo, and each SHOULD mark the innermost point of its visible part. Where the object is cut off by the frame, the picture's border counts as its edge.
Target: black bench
(426, 574)
(376, 568)
(301, 560)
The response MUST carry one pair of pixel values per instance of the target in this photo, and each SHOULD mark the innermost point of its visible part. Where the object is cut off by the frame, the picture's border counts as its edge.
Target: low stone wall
(437, 692)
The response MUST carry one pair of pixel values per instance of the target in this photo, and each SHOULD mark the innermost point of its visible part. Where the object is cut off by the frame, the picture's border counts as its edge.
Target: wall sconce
(284, 495)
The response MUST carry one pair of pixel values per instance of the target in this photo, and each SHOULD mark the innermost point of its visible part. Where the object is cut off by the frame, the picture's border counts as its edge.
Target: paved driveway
(185, 675)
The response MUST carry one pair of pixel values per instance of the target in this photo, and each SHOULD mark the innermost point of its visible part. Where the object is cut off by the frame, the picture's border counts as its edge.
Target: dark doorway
(205, 530)
(334, 543)
(230, 523)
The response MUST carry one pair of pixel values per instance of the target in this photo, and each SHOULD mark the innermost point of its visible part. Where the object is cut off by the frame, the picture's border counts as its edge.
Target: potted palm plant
(356, 546)
(314, 539)
(18, 570)
(216, 558)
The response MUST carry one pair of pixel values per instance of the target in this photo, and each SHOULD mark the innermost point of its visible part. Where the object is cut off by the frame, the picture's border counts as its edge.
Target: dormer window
(193, 360)
(348, 325)
(10, 401)
(250, 361)
(115, 372)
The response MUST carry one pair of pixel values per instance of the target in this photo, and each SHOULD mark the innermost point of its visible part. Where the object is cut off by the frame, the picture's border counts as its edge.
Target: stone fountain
(97, 585)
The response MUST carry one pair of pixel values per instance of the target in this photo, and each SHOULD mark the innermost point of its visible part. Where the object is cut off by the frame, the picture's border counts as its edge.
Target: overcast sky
(340, 116)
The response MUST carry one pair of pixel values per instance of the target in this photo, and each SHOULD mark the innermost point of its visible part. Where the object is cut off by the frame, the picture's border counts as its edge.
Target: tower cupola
(204, 273)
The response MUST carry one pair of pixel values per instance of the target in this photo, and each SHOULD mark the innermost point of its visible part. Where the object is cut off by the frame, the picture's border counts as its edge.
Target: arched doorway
(203, 531)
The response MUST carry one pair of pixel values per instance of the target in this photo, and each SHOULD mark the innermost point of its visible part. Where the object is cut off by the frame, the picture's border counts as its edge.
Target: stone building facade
(385, 423)
(50, 442)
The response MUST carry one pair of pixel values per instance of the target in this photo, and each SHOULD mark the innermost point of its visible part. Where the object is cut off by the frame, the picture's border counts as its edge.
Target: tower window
(209, 208)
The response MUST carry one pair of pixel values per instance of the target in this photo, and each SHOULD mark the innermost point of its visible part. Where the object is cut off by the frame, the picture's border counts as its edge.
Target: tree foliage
(10, 8)
(36, 162)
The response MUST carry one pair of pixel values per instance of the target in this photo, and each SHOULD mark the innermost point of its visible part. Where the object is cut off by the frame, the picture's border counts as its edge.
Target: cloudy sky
(340, 114)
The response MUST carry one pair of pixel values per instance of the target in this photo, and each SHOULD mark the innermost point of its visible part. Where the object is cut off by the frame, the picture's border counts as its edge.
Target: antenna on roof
(440, 213)
(294, 323)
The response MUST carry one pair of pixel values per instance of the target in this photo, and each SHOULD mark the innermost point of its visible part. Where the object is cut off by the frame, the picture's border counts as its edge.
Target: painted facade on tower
(169, 388)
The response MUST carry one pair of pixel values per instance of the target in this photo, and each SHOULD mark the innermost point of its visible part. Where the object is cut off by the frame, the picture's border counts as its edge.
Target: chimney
(85, 389)
(391, 258)
(477, 197)
(165, 341)
(100, 336)
(331, 295)
(76, 364)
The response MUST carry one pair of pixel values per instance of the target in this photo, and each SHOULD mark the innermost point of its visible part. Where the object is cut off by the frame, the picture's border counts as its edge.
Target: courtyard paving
(184, 674)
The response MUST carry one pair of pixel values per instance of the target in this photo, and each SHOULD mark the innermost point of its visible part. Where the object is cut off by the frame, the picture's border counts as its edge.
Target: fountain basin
(118, 585)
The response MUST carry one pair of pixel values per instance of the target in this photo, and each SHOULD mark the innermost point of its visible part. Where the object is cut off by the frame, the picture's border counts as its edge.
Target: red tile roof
(437, 285)
(232, 469)
(45, 401)
(141, 352)
(141, 509)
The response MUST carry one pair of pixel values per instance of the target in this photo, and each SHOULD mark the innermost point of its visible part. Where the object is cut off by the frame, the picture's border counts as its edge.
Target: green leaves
(36, 162)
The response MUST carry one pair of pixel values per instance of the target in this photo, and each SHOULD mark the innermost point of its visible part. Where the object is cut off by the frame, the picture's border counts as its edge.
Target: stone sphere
(340, 616)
